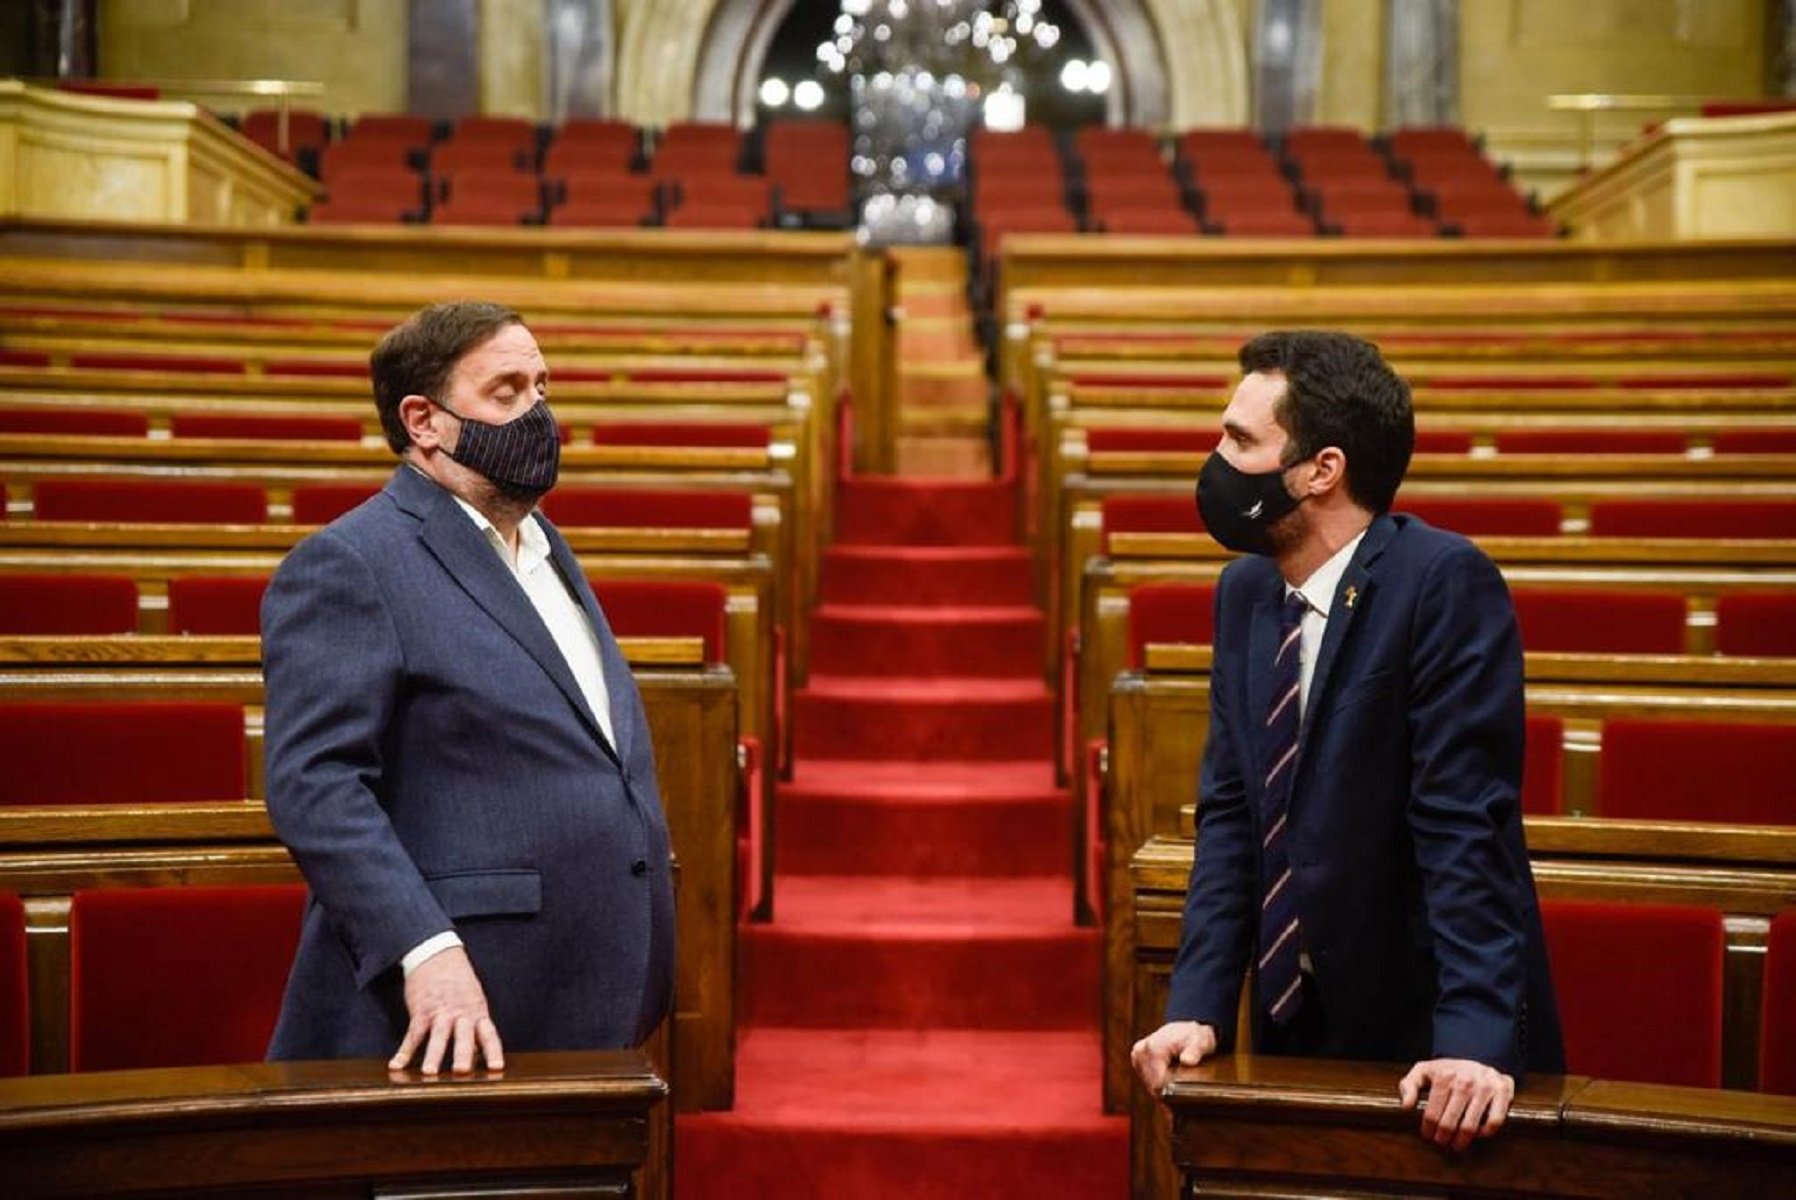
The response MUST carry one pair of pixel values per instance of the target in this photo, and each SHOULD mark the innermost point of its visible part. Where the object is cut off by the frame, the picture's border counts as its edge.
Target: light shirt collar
(1319, 589)
(533, 543)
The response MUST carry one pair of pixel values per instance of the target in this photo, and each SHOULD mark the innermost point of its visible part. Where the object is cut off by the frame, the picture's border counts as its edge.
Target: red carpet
(920, 1019)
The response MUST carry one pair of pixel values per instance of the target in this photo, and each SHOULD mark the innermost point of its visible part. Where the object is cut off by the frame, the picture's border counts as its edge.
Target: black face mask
(521, 457)
(1238, 508)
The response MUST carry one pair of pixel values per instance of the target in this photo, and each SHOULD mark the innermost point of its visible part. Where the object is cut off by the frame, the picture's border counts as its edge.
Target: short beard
(1288, 532)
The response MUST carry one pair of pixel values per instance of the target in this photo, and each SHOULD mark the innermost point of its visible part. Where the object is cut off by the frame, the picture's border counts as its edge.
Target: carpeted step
(927, 575)
(889, 511)
(888, 952)
(938, 719)
(922, 1115)
(923, 819)
(939, 640)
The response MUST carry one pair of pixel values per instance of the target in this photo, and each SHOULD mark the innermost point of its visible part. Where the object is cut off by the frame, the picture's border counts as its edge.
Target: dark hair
(1340, 392)
(417, 357)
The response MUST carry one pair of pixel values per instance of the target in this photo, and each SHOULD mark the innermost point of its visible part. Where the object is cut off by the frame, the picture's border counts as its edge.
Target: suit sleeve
(1218, 927)
(1466, 721)
(333, 666)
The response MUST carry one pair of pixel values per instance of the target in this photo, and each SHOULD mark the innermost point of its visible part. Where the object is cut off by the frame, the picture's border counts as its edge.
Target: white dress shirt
(1318, 591)
(573, 634)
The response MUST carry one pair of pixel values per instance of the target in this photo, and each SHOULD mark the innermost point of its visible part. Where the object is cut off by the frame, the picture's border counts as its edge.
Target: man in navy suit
(1359, 833)
(457, 755)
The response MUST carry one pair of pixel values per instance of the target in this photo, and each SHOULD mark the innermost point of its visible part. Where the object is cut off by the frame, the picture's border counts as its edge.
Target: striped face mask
(521, 457)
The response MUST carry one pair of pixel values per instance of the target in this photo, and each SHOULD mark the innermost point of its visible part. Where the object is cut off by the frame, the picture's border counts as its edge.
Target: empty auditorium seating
(275, 428)
(492, 196)
(1639, 988)
(629, 508)
(1756, 623)
(808, 162)
(596, 196)
(1543, 765)
(228, 605)
(321, 503)
(130, 501)
(1169, 612)
(697, 147)
(120, 753)
(1590, 441)
(1694, 518)
(1486, 517)
(1777, 1023)
(306, 131)
(67, 604)
(1755, 441)
(665, 608)
(15, 989)
(77, 421)
(1149, 514)
(1724, 771)
(679, 433)
(582, 144)
(178, 976)
(1588, 621)
(371, 193)
(1106, 439)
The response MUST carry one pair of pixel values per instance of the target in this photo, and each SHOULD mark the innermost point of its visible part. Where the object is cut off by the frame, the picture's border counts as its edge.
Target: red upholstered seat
(77, 421)
(120, 752)
(1756, 623)
(698, 215)
(227, 605)
(34, 359)
(1590, 441)
(310, 429)
(1264, 224)
(1152, 222)
(15, 989)
(1639, 988)
(666, 608)
(159, 501)
(167, 364)
(321, 503)
(1694, 518)
(1755, 441)
(1741, 773)
(1543, 766)
(1777, 1021)
(178, 976)
(1586, 621)
(1151, 439)
(592, 144)
(1149, 514)
(644, 508)
(1443, 441)
(679, 433)
(315, 368)
(1486, 517)
(67, 604)
(1169, 612)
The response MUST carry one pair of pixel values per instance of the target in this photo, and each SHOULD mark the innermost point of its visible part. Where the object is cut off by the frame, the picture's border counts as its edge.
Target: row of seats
(504, 171)
(1119, 439)
(1639, 985)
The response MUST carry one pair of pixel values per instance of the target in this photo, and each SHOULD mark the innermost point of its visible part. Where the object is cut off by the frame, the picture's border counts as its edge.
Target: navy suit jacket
(1404, 832)
(432, 765)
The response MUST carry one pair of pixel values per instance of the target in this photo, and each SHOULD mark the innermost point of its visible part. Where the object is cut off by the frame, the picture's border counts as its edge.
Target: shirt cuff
(428, 948)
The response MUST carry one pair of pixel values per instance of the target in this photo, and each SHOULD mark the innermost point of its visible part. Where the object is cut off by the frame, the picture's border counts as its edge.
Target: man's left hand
(1466, 1099)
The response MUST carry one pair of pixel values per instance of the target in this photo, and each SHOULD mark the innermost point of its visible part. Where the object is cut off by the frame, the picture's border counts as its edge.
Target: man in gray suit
(457, 755)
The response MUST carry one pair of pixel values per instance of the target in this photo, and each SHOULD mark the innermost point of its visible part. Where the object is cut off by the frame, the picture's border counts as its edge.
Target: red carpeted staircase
(921, 1017)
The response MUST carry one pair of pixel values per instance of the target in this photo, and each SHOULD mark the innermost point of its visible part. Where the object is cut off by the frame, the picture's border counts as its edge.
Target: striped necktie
(1280, 941)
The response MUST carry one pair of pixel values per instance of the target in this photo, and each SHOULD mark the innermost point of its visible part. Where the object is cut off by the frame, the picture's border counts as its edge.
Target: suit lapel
(1350, 598)
(470, 560)
(620, 685)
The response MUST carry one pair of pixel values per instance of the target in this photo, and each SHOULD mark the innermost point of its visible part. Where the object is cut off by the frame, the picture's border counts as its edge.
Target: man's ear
(1330, 471)
(422, 425)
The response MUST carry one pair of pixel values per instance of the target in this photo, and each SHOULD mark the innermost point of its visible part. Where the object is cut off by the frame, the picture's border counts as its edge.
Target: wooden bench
(46, 853)
(1159, 720)
(1249, 1125)
(586, 1123)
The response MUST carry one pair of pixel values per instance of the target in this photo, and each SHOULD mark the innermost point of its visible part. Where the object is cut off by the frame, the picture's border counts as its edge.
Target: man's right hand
(448, 1014)
(1181, 1043)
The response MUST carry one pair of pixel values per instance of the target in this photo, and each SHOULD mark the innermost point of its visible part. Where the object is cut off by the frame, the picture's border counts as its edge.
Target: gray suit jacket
(432, 765)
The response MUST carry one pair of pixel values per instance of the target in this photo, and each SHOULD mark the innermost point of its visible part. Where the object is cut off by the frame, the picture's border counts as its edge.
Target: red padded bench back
(1580, 621)
(226, 605)
(666, 608)
(80, 422)
(131, 501)
(1149, 514)
(1756, 623)
(67, 604)
(644, 508)
(1169, 612)
(178, 976)
(1486, 518)
(1777, 1021)
(1732, 772)
(120, 752)
(679, 433)
(322, 503)
(1694, 518)
(15, 989)
(1543, 766)
(1639, 988)
(301, 429)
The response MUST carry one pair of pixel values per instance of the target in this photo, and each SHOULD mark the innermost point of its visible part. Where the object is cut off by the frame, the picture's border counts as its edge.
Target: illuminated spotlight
(1046, 35)
(808, 95)
(1004, 110)
(774, 92)
(1075, 74)
(1097, 78)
